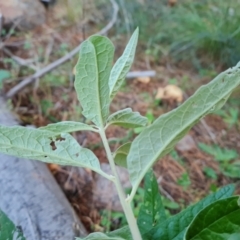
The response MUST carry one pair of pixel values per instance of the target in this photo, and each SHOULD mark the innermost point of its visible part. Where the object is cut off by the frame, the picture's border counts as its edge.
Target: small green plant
(96, 85)
(230, 116)
(227, 158)
(184, 181)
(210, 173)
(111, 219)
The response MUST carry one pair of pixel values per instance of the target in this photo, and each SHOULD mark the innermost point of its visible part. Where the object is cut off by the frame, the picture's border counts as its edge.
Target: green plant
(3, 75)
(227, 159)
(184, 181)
(96, 85)
(230, 116)
(8, 230)
(200, 30)
(210, 173)
(111, 219)
(209, 27)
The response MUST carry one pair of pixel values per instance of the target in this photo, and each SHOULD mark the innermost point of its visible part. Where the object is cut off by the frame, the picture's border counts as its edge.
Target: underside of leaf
(127, 118)
(92, 74)
(120, 156)
(67, 127)
(119, 234)
(123, 65)
(158, 139)
(42, 145)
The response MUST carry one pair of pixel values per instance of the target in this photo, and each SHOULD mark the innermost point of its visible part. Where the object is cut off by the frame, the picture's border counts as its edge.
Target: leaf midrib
(98, 86)
(125, 122)
(171, 139)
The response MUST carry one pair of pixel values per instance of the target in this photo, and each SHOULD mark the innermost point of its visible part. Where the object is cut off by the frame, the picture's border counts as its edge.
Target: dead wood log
(31, 198)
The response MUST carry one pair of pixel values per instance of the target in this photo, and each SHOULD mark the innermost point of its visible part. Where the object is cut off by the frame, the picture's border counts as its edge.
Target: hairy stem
(125, 205)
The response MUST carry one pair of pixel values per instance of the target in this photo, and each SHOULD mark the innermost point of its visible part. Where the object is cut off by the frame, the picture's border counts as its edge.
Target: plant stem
(125, 205)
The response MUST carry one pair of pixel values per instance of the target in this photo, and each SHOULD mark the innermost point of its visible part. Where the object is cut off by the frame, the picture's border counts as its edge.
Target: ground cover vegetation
(206, 30)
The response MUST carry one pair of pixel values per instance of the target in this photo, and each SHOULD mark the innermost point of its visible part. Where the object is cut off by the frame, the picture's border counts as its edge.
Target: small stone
(186, 144)
(170, 93)
(144, 80)
(26, 14)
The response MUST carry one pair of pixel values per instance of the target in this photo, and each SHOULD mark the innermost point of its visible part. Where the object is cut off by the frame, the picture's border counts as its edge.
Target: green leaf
(120, 234)
(127, 118)
(92, 74)
(45, 146)
(123, 232)
(8, 230)
(175, 227)
(152, 211)
(220, 154)
(159, 138)
(4, 74)
(219, 221)
(234, 236)
(99, 236)
(67, 127)
(120, 156)
(123, 65)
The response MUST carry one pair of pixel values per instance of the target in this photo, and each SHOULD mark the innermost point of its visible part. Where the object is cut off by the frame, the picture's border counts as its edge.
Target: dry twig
(62, 60)
(21, 61)
(137, 74)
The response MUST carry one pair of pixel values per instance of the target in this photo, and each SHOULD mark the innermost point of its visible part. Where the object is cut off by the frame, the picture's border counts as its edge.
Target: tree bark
(31, 198)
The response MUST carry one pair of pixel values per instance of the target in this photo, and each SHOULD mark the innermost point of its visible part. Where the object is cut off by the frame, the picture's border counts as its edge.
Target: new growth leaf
(120, 156)
(127, 118)
(123, 65)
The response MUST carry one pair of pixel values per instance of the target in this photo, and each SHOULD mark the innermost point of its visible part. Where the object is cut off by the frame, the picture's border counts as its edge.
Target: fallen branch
(62, 60)
(137, 74)
(32, 199)
(20, 61)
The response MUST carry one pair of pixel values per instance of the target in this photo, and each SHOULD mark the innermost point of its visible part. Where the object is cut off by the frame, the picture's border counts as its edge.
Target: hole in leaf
(77, 154)
(53, 145)
(59, 138)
